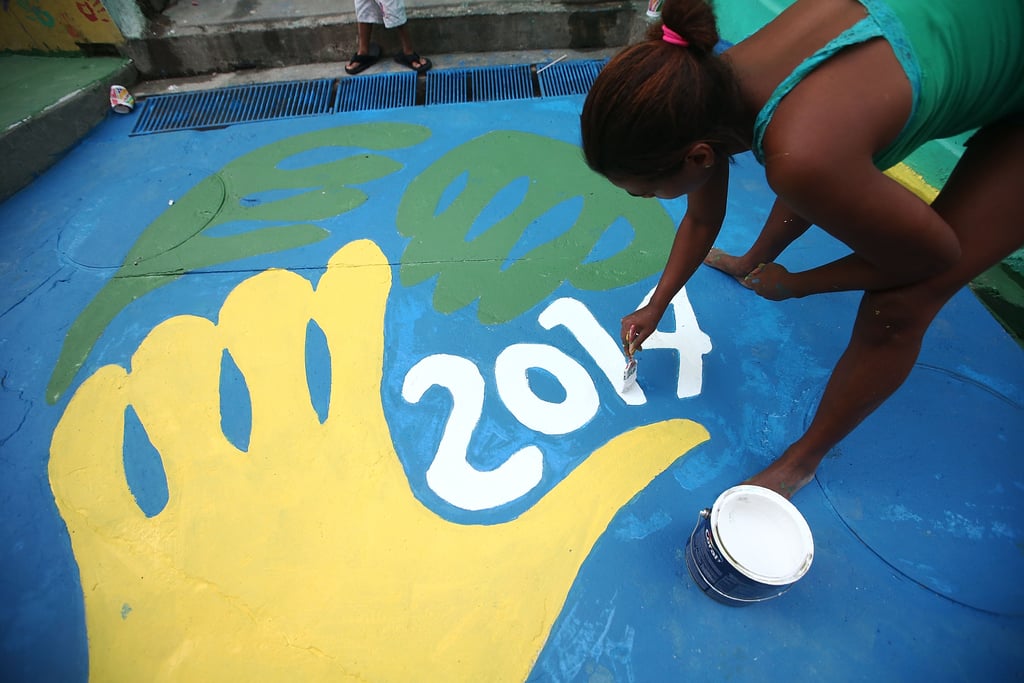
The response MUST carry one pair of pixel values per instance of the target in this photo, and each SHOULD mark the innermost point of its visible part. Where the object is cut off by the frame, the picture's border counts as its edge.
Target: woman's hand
(638, 326)
(772, 281)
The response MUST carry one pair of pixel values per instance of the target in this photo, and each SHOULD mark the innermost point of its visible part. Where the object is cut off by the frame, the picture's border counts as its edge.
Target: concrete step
(50, 104)
(195, 37)
(336, 70)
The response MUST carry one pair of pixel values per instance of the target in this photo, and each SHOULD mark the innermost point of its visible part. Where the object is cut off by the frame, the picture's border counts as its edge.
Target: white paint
(763, 535)
(450, 475)
(688, 339)
(595, 340)
(629, 375)
(577, 408)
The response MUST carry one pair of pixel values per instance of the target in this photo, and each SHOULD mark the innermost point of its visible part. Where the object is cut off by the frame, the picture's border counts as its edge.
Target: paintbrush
(629, 374)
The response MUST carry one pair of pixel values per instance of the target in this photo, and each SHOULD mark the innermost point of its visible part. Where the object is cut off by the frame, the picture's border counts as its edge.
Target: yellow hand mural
(308, 558)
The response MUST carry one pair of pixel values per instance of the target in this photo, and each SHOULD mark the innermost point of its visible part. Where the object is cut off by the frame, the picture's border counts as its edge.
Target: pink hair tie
(670, 36)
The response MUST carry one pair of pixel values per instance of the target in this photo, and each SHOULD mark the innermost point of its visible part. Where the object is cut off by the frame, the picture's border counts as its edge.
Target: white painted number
(451, 476)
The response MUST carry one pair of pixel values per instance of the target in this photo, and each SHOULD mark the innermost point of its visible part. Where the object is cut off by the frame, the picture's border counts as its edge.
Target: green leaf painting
(180, 239)
(442, 210)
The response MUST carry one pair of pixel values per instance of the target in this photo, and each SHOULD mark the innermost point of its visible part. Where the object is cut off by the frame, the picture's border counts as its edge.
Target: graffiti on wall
(56, 25)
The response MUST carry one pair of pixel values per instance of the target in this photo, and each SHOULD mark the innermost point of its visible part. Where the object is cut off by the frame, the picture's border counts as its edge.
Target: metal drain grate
(569, 78)
(247, 103)
(238, 104)
(381, 91)
(501, 83)
(448, 86)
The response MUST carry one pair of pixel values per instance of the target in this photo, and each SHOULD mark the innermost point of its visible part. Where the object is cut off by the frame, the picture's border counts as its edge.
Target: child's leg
(368, 13)
(365, 32)
(407, 48)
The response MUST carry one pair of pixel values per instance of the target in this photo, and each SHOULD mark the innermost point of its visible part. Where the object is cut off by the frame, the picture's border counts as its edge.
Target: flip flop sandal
(410, 59)
(363, 62)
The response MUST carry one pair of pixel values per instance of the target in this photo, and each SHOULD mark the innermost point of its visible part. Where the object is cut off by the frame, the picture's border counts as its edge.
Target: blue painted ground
(918, 517)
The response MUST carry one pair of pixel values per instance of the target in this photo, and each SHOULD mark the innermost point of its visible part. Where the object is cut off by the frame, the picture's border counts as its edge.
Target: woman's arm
(781, 228)
(818, 153)
(897, 239)
(705, 212)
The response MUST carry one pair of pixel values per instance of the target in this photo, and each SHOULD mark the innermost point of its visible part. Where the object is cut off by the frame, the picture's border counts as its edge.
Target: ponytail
(655, 99)
(694, 20)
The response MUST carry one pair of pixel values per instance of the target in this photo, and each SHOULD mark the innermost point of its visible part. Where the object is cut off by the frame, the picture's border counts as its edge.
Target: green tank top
(964, 60)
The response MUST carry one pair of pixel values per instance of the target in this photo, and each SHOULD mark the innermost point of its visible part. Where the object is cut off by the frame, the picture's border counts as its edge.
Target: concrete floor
(334, 398)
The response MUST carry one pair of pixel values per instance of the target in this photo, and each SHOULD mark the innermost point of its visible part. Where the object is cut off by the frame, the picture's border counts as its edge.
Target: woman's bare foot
(771, 281)
(785, 476)
(737, 266)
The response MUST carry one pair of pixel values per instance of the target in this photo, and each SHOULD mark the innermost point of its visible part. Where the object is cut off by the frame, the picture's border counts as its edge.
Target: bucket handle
(706, 514)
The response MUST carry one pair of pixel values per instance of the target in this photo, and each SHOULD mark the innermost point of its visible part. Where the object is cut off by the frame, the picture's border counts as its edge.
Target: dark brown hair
(655, 99)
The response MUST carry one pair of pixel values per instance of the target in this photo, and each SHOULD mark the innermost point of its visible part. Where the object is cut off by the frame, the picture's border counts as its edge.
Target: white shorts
(391, 13)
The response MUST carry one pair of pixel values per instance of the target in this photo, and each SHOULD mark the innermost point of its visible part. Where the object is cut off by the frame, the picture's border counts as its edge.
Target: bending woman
(827, 96)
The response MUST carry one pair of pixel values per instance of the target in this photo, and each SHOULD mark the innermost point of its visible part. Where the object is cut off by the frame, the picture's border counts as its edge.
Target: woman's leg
(984, 204)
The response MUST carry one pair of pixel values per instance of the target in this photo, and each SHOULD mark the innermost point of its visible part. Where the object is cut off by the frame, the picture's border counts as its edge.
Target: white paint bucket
(751, 546)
